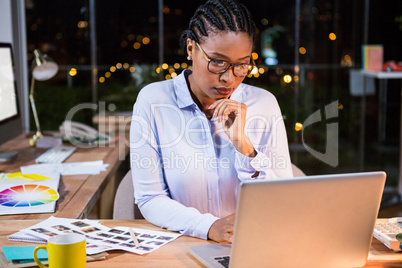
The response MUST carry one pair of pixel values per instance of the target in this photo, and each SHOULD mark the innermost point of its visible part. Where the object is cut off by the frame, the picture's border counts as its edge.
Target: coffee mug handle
(36, 257)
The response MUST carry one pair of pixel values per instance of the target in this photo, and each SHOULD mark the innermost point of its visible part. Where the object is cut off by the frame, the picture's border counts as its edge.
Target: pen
(134, 237)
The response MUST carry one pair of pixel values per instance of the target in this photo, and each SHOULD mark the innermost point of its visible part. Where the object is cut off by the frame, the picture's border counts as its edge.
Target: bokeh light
(287, 79)
(72, 72)
(298, 126)
(146, 40)
(137, 45)
(255, 55)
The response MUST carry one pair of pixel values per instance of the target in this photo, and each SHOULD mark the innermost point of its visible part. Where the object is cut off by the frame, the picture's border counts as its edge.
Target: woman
(194, 138)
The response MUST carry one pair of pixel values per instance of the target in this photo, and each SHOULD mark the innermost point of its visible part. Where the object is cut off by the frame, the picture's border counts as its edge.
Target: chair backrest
(124, 207)
(297, 172)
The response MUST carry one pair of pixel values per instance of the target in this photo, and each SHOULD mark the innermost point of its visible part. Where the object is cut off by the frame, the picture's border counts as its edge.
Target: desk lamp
(43, 68)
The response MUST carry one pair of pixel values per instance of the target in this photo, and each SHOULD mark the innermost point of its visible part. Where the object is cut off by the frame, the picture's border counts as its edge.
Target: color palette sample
(27, 195)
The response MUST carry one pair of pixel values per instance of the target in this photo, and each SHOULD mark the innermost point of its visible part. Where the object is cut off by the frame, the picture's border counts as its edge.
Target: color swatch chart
(27, 195)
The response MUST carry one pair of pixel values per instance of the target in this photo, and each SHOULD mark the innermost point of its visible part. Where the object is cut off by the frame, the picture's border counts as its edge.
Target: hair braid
(218, 16)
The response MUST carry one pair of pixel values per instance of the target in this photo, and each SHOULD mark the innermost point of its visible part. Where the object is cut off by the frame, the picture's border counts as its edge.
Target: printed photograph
(50, 234)
(110, 242)
(145, 248)
(90, 229)
(127, 233)
(148, 236)
(40, 230)
(93, 238)
(156, 243)
(80, 224)
(139, 241)
(61, 227)
(127, 245)
(115, 231)
(123, 238)
(105, 235)
(166, 238)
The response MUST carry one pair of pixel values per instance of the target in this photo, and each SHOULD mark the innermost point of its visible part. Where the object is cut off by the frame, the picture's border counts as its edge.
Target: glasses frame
(230, 64)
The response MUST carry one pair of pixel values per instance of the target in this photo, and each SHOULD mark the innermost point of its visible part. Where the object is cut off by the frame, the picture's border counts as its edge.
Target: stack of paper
(99, 238)
(75, 168)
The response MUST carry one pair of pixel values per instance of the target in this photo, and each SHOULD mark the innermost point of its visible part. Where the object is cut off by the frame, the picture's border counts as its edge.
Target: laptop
(313, 221)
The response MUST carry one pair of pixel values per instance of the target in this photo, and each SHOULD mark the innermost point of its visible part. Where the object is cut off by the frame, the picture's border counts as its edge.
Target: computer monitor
(10, 120)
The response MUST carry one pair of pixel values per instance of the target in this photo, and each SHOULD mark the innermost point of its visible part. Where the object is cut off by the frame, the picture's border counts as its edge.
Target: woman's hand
(222, 229)
(232, 114)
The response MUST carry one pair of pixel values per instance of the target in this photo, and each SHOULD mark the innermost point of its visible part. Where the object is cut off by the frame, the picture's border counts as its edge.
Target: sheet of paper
(100, 238)
(18, 176)
(75, 168)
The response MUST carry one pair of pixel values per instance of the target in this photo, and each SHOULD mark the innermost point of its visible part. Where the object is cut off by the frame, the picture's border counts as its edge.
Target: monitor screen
(8, 92)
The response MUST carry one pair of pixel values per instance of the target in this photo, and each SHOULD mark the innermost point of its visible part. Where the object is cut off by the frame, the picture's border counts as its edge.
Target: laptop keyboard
(224, 260)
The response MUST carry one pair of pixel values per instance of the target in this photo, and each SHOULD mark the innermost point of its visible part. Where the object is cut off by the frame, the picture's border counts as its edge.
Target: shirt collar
(183, 95)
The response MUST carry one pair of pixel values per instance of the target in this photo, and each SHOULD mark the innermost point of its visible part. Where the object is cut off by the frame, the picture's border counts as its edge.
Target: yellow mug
(65, 251)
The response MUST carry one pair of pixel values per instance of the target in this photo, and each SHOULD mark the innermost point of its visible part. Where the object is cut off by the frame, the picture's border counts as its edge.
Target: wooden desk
(78, 193)
(176, 253)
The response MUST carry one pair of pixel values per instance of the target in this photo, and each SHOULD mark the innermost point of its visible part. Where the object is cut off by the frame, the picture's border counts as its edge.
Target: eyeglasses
(217, 66)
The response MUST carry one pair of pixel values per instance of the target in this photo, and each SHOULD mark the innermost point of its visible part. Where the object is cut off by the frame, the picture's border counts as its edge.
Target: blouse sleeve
(270, 142)
(150, 189)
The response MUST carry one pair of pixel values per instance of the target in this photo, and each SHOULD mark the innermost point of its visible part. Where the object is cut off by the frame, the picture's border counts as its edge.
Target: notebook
(313, 221)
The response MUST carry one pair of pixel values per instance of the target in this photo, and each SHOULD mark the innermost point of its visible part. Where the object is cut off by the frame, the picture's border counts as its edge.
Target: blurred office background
(305, 51)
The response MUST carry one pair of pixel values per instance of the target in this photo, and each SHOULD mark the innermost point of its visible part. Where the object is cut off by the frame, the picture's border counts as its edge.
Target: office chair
(124, 207)
(297, 172)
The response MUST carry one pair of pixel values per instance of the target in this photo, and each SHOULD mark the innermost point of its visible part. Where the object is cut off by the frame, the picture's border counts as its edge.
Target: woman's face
(234, 47)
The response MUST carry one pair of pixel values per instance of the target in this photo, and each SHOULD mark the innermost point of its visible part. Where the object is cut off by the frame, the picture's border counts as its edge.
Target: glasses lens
(221, 66)
(242, 70)
(218, 66)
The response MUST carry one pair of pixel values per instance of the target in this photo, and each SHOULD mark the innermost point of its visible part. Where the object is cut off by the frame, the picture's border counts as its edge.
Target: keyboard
(386, 233)
(223, 260)
(56, 155)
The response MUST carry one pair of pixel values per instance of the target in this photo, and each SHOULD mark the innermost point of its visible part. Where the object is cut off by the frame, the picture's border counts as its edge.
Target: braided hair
(218, 16)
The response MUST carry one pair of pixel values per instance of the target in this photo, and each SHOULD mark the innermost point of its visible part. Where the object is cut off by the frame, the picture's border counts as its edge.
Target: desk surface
(382, 75)
(78, 193)
(176, 253)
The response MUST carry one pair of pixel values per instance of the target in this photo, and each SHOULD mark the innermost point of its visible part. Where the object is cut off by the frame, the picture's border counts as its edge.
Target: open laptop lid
(314, 221)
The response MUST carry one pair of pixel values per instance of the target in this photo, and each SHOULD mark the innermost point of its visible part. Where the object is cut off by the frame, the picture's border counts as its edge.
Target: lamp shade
(43, 67)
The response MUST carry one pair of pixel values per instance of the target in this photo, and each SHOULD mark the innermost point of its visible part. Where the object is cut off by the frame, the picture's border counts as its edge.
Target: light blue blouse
(186, 172)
